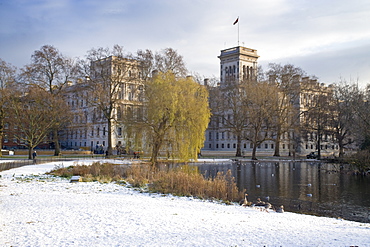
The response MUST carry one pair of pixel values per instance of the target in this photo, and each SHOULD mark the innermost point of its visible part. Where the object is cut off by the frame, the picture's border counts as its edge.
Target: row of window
(228, 135)
(309, 137)
(322, 147)
(6, 140)
(310, 99)
(79, 103)
(228, 145)
(125, 92)
(248, 71)
(76, 134)
(272, 146)
(98, 115)
(84, 144)
(325, 137)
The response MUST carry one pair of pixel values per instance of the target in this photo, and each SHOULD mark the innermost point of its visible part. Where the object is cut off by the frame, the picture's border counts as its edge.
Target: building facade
(111, 99)
(104, 105)
(239, 64)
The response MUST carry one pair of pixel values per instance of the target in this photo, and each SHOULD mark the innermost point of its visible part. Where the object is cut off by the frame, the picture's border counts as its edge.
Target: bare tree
(110, 73)
(286, 79)
(357, 101)
(229, 110)
(169, 60)
(147, 63)
(33, 116)
(166, 60)
(342, 118)
(7, 88)
(360, 102)
(318, 115)
(245, 109)
(52, 71)
(260, 105)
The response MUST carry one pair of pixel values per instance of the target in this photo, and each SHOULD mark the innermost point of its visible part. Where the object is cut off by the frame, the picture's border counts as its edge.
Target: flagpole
(237, 22)
(238, 30)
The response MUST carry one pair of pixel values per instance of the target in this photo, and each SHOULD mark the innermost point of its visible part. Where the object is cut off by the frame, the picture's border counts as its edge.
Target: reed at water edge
(182, 180)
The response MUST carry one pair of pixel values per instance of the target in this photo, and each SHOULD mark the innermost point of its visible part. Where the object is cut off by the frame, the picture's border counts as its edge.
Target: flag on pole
(236, 21)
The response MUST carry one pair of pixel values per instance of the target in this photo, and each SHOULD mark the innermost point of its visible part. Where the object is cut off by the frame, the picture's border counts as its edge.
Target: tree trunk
(157, 143)
(319, 145)
(30, 151)
(1, 144)
(238, 147)
(277, 144)
(254, 152)
(155, 152)
(341, 148)
(109, 148)
(56, 142)
(1, 131)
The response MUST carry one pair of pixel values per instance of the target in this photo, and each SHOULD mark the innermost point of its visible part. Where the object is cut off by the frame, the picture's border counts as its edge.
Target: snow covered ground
(42, 211)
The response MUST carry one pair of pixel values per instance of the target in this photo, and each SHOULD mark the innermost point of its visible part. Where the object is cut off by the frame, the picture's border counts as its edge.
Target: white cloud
(283, 30)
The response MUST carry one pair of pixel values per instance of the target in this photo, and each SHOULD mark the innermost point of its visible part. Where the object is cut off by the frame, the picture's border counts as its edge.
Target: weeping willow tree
(177, 116)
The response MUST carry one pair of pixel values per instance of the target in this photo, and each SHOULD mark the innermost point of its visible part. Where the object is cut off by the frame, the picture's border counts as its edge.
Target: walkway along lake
(304, 187)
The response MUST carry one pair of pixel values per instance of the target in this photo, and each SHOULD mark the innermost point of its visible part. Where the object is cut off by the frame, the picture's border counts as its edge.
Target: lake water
(305, 187)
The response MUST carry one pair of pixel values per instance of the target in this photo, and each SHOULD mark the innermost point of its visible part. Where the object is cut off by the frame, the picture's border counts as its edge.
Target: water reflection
(305, 187)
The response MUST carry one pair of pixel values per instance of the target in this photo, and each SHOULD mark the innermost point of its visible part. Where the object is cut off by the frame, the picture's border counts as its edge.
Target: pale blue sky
(327, 38)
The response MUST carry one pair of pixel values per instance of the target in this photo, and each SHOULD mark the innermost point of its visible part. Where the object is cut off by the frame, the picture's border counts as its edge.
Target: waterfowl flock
(260, 205)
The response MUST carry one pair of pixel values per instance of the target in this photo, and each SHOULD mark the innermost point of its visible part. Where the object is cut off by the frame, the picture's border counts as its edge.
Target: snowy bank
(45, 211)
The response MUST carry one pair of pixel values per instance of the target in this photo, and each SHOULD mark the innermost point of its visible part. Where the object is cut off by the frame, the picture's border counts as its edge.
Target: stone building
(120, 82)
(108, 99)
(239, 64)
